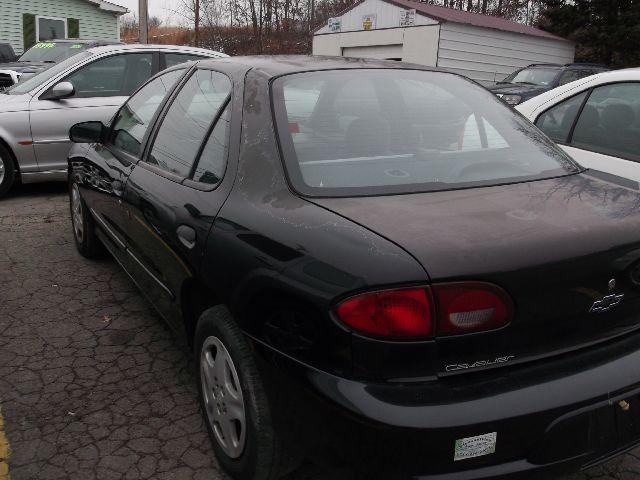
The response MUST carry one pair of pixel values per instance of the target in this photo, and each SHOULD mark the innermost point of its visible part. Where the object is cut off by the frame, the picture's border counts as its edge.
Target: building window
(50, 28)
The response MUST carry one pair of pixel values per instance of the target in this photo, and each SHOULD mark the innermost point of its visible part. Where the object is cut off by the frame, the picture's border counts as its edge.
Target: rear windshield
(367, 132)
(52, 52)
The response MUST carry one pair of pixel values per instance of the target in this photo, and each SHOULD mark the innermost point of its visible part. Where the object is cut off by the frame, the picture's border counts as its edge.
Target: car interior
(609, 122)
(358, 132)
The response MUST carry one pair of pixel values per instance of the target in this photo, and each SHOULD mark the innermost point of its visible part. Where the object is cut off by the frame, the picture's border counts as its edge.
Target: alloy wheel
(222, 394)
(76, 213)
(2, 168)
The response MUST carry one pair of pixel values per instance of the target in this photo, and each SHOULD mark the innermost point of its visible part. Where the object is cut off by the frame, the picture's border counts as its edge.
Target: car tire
(261, 454)
(7, 171)
(83, 225)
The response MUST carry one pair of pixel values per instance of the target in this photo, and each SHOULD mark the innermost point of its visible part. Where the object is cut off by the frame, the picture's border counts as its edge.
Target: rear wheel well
(286, 321)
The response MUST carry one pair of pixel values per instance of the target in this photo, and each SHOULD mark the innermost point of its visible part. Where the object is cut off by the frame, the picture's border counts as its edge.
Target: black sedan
(377, 265)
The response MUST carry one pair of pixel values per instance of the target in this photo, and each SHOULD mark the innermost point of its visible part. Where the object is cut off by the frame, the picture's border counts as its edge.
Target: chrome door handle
(187, 236)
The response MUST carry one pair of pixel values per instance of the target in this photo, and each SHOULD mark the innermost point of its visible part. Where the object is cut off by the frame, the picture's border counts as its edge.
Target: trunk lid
(560, 247)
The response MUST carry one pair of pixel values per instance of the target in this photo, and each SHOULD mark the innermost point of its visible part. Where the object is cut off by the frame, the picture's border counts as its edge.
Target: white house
(25, 22)
(481, 47)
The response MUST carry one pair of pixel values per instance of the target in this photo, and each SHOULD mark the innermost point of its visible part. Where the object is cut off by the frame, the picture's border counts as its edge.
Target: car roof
(86, 40)
(141, 47)
(276, 65)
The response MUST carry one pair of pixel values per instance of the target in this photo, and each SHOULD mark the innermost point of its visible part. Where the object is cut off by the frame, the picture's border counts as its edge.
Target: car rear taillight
(469, 307)
(424, 312)
(391, 313)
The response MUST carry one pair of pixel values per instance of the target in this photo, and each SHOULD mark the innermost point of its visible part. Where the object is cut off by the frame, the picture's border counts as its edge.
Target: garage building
(481, 47)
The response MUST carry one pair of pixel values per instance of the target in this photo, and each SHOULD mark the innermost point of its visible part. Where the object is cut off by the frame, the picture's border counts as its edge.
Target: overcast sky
(158, 8)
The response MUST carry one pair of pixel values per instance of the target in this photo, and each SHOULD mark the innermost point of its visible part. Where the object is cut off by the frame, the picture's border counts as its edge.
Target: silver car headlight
(512, 99)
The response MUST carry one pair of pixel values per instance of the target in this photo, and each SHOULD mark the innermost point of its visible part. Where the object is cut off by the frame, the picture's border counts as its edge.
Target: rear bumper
(560, 415)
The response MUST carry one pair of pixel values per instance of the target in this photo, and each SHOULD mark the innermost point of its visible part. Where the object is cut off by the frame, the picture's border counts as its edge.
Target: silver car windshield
(34, 82)
(53, 52)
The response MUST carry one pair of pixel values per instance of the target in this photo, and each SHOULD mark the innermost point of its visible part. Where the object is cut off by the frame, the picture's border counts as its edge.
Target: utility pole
(143, 14)
(197, 23)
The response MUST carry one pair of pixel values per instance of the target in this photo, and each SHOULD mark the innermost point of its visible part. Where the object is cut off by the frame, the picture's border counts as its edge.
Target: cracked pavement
(92, 383)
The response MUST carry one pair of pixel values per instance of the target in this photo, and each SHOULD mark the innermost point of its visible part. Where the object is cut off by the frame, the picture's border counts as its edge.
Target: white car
(596, 120)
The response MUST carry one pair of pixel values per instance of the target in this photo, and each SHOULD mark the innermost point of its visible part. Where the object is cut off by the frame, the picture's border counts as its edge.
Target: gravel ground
(92, 384)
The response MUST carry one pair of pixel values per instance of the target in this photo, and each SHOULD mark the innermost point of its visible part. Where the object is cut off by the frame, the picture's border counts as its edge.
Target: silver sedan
(37, 113)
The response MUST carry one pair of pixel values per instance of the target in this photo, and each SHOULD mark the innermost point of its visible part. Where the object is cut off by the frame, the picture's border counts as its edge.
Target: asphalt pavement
(92, 383)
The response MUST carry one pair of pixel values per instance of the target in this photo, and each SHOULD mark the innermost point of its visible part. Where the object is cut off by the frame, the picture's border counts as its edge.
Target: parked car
(36, 114)
(6, 53)
(376, 265)
(595, 120)
(42, 56)
(538, 78)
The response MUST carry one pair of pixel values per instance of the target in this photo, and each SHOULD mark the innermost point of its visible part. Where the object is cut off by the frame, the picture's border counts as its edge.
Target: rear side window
(365, 132)
(212, 163)
(558, 120)
(610, 121)
(132, 121)
(172, 59)
(188, 121)
(117, 75)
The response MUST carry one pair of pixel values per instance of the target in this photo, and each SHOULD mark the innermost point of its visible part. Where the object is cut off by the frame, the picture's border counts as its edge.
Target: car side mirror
(87, 132)
(60, 91)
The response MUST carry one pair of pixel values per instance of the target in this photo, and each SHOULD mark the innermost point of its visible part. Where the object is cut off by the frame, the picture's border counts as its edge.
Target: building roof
(446, 14)
(109, 7)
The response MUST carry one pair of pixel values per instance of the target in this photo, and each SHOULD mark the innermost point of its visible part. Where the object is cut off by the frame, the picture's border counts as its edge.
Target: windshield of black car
(533, 76)
(366, 131)
(53, 52)
(31, 83)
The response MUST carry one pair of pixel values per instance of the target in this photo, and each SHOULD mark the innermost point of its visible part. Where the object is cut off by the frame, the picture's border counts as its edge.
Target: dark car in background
(376, 264)
(7, 53)
(42, 55)
(538, 78)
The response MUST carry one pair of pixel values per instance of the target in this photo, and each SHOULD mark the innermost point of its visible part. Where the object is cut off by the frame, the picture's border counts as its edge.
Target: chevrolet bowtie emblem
(607, 303)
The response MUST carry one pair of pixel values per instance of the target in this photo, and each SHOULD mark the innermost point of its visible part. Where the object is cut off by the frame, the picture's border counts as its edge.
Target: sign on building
(369, 21)
(335, 24)
(407, 18)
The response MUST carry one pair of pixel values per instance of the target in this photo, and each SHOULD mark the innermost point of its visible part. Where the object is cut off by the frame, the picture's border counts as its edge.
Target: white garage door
(374, 51)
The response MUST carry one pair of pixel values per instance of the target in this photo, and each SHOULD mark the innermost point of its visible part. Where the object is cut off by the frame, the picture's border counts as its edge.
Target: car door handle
(187, 236)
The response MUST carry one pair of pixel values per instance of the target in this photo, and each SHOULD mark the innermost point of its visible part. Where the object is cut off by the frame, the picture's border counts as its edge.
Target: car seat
(617, 121)
(367, 137)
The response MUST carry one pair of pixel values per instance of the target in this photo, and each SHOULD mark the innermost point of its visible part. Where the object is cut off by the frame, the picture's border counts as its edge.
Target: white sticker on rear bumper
(471, 447)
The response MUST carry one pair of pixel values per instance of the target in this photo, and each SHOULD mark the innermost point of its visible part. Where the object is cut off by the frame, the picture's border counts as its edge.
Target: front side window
(117, 75)
(558, 120)
(51, 28)
(569, 76)
(132, 121)
(188, 121)
(366, 132)
(610, 121)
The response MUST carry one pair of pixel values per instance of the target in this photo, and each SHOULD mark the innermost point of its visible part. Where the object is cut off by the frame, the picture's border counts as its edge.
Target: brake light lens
(423, 312)
(391, 313)
(469, 307)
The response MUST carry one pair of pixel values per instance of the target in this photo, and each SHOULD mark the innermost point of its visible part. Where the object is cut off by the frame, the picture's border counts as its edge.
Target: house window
(50, 28)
